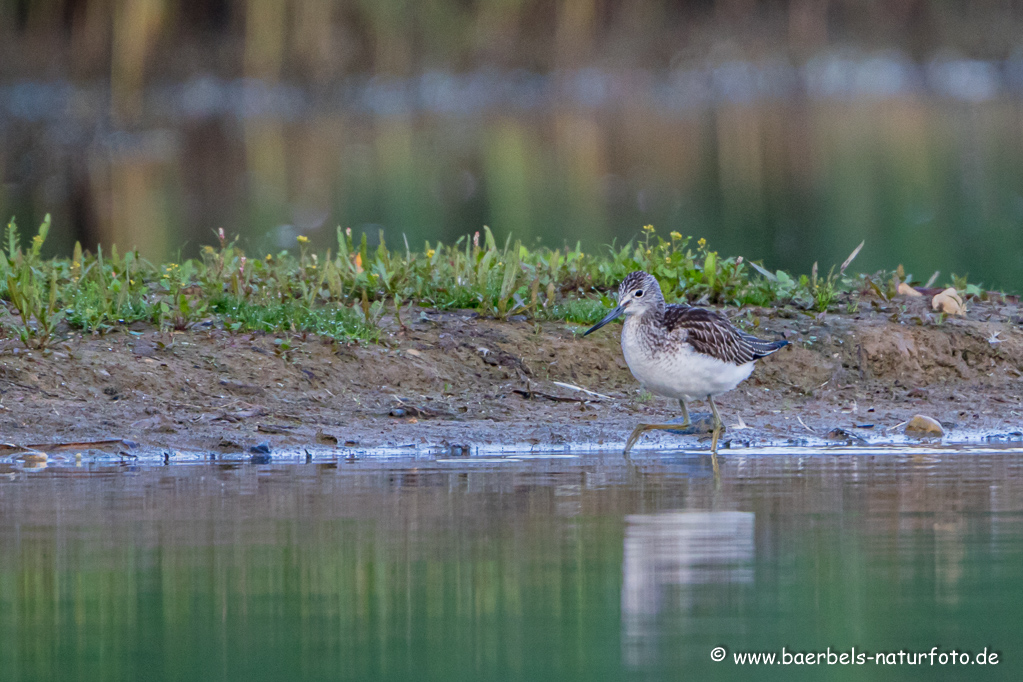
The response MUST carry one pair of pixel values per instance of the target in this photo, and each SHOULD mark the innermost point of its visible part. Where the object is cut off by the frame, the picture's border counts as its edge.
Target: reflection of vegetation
(405, 569)
(344, 295)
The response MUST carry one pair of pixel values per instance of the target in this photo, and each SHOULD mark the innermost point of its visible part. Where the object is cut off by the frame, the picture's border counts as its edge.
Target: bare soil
(451, 379)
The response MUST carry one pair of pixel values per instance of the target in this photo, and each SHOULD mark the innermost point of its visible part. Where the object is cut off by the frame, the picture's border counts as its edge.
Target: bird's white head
(637, 294)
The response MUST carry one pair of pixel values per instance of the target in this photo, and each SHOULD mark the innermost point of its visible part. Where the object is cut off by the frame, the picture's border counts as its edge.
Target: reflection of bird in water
(681, 352)
(672, 562)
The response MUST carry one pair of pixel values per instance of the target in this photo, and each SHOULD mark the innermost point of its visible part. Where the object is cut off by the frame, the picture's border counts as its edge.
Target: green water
(570, 568)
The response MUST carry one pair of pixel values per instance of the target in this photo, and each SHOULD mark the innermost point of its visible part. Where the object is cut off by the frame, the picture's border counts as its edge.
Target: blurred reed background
(785, 130)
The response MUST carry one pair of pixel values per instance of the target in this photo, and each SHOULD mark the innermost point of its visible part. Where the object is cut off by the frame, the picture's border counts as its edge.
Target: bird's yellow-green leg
(686, 423)
(718, 425)
(640, 428)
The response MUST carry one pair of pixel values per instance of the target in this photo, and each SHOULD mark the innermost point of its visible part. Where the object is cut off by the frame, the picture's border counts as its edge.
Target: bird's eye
(639, 293)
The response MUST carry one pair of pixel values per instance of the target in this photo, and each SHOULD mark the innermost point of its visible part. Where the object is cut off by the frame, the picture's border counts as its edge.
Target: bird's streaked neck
(645, 316)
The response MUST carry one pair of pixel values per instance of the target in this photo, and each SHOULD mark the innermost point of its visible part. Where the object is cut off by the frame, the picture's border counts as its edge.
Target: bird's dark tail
(762, 348)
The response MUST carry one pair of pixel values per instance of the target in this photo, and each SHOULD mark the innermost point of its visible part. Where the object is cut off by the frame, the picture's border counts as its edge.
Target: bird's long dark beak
(610, 316)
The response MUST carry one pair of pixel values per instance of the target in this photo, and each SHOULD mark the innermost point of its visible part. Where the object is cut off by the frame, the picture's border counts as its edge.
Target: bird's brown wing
(710, 333)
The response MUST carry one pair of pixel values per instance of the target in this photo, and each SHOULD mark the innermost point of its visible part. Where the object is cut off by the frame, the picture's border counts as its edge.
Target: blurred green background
(782, 131)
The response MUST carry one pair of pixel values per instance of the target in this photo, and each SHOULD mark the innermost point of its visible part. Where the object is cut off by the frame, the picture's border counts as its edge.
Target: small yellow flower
(269, 257)
(702, 243)
(302, 239)
(430, 253)
(676, 235)
(648, 228)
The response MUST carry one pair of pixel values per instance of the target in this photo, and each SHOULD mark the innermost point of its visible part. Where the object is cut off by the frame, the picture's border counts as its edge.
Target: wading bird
(681, 352)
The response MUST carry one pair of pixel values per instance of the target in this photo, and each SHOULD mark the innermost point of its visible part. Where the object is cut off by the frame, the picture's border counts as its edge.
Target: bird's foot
(641, 428)
(634, 436)
(697, 425)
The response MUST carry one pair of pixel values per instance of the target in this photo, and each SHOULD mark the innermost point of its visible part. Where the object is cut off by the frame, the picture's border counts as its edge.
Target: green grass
(345, 294)
(582, 310)
(332, 321)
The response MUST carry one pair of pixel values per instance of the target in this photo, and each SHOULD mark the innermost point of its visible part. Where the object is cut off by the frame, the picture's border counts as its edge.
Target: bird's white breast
(675, 370)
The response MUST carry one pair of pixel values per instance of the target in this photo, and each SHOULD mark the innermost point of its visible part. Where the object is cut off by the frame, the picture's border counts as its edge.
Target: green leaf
(710, 265)
(13, 242)
(37, 241)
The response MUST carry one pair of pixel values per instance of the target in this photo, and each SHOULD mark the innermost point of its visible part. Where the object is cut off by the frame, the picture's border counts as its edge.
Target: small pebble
(949, 302)
(923, 426)
(840, 434)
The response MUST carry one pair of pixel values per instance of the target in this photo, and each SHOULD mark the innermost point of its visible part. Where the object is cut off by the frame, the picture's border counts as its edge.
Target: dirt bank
(453, 379)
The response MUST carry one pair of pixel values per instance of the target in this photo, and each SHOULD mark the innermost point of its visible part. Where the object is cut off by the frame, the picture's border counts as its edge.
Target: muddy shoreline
(453, 380)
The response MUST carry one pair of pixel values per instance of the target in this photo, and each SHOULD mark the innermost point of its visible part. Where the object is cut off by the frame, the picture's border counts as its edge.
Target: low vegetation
(344, 294)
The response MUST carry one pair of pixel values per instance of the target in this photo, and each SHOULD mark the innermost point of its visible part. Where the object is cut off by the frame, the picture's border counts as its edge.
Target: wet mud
(453, 380)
